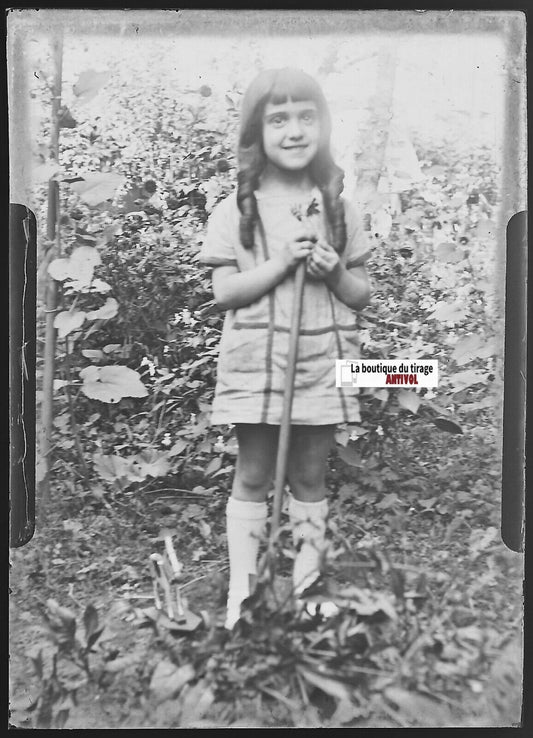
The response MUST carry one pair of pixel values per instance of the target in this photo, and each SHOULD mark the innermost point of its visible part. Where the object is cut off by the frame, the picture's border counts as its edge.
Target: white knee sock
(308, 521)
(245, 523)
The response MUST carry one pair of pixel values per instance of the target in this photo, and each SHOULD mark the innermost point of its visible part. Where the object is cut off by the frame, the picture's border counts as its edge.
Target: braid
(247, 203)
(331, 188)
(253, 162)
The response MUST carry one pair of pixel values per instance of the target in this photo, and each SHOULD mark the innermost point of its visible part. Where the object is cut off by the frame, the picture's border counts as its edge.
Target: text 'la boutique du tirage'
(375, 373)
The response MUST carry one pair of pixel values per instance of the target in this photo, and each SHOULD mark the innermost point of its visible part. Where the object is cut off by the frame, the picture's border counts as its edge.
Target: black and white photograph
(267, 368)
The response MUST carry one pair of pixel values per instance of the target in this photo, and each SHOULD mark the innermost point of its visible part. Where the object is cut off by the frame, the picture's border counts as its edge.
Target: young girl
(287, 208)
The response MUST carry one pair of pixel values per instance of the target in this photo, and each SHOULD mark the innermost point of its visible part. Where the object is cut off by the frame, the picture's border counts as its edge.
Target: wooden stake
(285, 426)
(47, 405)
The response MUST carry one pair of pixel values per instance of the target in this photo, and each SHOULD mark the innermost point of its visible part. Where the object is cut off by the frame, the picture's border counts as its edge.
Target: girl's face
(291, 133)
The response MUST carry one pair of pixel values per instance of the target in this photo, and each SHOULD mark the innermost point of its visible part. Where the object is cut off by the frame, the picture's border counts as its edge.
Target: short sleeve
(222, 235)
(357, 242)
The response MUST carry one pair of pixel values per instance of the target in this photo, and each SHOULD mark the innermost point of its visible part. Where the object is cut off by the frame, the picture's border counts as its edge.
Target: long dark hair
(277, 86)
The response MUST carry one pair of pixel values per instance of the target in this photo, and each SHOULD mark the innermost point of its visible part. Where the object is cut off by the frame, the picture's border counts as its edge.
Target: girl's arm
(350, 286)
(234, 289)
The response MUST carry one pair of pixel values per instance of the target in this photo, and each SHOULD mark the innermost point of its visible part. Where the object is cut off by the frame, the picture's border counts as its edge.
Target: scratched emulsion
(22, 238)
(201, 29)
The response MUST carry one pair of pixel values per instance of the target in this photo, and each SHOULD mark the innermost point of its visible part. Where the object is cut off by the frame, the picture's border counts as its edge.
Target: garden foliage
(138, 340)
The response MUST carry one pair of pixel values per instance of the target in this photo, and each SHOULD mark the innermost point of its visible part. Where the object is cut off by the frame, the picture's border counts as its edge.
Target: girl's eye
(278, 120)
(309, 116)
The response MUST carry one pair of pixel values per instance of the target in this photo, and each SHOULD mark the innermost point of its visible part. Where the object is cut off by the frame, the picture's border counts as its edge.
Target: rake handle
(285, 425)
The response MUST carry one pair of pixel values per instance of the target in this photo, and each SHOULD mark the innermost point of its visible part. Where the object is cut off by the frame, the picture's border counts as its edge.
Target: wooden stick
(285, 425)
(51, 295)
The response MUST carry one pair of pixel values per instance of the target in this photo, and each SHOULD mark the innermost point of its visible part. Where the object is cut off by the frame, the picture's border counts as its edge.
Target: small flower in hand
(323, 259)
(312, 209)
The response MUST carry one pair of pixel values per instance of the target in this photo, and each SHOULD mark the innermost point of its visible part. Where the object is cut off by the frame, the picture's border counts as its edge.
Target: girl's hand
(297, 250)
(322, 261)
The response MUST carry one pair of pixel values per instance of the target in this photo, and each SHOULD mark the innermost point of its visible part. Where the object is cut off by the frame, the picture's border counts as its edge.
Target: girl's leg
(308, 506)
(246, 511)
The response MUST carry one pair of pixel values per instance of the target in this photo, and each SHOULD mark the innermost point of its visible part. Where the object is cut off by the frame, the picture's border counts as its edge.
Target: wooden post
(52, 233)
(285, 425)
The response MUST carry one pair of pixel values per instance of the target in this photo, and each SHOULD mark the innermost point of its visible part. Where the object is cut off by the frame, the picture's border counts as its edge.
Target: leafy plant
(65, 667)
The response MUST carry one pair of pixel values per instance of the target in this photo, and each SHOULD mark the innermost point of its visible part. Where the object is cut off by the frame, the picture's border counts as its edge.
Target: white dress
(253, 349)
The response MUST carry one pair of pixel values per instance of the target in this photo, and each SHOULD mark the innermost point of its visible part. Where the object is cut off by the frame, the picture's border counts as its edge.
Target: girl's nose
(294, 129)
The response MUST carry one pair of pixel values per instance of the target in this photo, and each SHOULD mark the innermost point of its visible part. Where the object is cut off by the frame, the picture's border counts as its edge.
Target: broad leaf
(88, 85)
(151, 464)
(97, 187)
(108, 310)
(445, 424)
(342, 437)
(94, 354)
(461, 380)
(418, 709)
(214, 465)
(99, 286)
(111, 383)
(447, 312)
(59, 269)
(110, 348)
(83, 260)
(380, 393)
(68, 321)
(409, 400)
(178, 448)
(113, 468)
(328, 685)
(168, 679)
(79, 266)
(466, 348)
(469, 407)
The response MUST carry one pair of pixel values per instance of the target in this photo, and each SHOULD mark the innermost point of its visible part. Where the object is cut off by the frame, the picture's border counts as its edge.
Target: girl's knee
(251, 483)
(307, 484)
(255, 462)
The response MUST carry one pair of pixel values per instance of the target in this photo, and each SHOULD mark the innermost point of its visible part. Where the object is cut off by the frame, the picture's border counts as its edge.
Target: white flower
(150, 364)
(187, 318)
(219, 444)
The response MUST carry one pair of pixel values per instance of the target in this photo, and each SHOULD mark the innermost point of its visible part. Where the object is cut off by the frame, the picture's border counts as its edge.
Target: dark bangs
(277, 86)
(297, 86)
